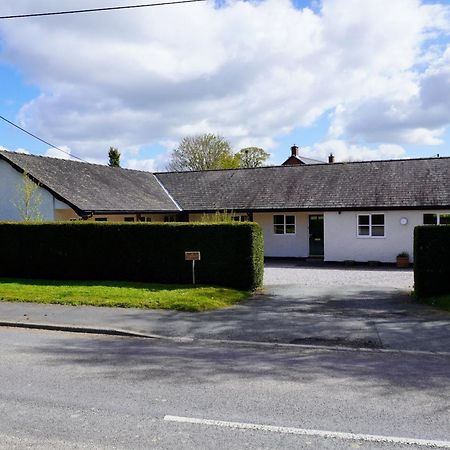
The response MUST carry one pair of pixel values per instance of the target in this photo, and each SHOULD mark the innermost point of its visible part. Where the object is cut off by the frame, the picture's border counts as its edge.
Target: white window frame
(370, 225)
(240, 217)
(284, 225)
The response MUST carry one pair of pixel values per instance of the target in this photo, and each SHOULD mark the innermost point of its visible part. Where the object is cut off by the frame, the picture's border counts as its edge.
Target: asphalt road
(77, 391)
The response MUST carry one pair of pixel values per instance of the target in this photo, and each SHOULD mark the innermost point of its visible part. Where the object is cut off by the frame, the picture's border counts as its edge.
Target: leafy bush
(231, 254)
(431, 260)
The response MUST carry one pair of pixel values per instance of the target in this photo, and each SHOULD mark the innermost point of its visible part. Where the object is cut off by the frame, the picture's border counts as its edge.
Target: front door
(316, 235)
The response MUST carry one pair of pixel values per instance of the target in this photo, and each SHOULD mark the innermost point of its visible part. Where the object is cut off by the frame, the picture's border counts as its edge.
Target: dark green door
(316, 235)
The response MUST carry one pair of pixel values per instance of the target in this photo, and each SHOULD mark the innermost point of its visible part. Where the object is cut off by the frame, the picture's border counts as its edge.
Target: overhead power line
(39, 139)
(111, 8)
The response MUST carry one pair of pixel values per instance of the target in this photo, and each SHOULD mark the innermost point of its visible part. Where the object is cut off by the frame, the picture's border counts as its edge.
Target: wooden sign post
(192, 256)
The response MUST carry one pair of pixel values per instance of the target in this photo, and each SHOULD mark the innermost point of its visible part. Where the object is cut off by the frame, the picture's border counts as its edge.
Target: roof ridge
(303, 166)
(2, 150)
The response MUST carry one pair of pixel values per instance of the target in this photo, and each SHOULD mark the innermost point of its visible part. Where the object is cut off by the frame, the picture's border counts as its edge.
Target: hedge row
(231, 254)
(432, 260)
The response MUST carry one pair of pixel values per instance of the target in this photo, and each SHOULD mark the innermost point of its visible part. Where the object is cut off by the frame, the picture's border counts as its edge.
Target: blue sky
(362, 80)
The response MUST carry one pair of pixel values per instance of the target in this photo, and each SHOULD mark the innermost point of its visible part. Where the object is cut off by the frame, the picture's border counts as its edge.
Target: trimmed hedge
(231, 254)
(432, 260)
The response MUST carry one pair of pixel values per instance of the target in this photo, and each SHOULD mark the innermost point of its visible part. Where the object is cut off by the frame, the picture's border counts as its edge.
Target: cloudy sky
(364, 79)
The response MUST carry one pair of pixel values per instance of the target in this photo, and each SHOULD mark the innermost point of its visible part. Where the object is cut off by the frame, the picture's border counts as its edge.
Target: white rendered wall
(342, 243)
(10, 185)
(285, 245)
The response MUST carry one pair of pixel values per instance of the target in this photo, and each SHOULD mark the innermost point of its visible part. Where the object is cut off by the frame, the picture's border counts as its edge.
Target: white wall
(342, 243)
(285, 245)
(10, 184)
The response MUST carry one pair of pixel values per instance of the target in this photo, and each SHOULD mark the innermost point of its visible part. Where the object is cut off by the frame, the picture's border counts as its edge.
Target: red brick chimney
(294, 150)
(331, 158)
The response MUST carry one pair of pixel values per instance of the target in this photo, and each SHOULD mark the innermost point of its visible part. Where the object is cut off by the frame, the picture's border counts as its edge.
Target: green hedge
(231, 254)
(432, 260)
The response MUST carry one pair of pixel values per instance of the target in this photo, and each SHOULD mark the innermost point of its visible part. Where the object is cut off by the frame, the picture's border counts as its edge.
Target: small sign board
(192, 256)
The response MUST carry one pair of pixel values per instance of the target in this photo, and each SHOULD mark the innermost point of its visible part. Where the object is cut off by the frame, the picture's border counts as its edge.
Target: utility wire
(111, 8)
(39, 139)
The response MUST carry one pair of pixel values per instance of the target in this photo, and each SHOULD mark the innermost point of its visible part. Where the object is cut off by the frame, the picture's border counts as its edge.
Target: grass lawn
(122, 294)
(442, 302)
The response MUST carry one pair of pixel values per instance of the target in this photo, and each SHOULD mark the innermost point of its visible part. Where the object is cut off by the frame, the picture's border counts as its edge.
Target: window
(240, 217)
(436, 219)
(101, 219)
(169, 218)
(283, 224)
(128, 219)
(371, 225)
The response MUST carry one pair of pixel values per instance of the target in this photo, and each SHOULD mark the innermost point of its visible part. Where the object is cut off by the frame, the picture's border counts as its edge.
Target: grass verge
(442, 302)
(120, 294)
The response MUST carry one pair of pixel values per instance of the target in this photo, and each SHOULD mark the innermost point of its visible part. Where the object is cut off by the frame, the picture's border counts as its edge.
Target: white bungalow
(360, 211)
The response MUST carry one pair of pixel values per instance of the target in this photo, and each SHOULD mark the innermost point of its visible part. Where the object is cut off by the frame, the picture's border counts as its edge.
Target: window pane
(290, 220)
(430, 219)
(363, 230)
(278, 220)
(290, 229)
(363, 220)
(278, 229)
(128, 219)
(377, 219)
(444, 219)
(378, 231)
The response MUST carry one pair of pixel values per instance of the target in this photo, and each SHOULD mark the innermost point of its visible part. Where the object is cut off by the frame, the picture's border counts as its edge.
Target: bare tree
(29, 199)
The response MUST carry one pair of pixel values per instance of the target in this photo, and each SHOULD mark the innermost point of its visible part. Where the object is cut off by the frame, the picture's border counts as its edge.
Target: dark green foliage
(231, 254)
(114, 157)
(432, 260)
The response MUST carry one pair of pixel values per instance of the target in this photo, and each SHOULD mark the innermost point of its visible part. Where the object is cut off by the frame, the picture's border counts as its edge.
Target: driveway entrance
(356, 307)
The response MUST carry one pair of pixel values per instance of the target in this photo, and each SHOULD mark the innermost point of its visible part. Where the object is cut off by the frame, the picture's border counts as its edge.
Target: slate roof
(95, 188)
(394, 184)
(301, 160)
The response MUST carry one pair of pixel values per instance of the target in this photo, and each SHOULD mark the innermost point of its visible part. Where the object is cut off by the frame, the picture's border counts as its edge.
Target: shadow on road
(195, 363)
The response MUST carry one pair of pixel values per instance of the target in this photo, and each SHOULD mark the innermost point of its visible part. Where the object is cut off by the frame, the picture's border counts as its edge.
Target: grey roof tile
(408, 183)
(93, 187)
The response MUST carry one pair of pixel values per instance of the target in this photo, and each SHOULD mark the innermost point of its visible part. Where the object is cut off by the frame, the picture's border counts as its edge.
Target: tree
(114, 157)
(202, 152)
(29, 199)
(252, 157)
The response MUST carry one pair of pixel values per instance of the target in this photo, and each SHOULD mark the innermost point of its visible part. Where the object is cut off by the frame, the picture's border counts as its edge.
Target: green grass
(442, 302)
(119, 294)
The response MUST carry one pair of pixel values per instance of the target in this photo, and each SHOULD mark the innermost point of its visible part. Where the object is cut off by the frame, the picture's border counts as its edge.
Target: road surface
(75, 391)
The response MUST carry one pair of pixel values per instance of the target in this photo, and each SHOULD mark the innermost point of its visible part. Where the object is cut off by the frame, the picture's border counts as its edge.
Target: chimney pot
(331, 158)
(294, 150)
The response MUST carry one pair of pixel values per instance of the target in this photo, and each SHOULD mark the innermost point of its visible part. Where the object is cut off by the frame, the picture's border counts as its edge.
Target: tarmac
(367, 317)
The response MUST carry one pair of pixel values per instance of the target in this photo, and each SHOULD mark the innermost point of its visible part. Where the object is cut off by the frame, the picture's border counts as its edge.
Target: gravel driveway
(331, 277)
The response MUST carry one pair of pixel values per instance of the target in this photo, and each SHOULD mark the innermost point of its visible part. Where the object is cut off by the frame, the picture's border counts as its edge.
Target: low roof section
(93, 188)
(373, 185)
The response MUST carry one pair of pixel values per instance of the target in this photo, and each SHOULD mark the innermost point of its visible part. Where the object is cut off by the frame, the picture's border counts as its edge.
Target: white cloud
(250, 71)
(344, 151)
(22, 150)
(54, 153)
(17, 150)
(147, 165)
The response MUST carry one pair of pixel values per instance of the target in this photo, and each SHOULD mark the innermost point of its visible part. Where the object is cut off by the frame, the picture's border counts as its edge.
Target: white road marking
(317, 433)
